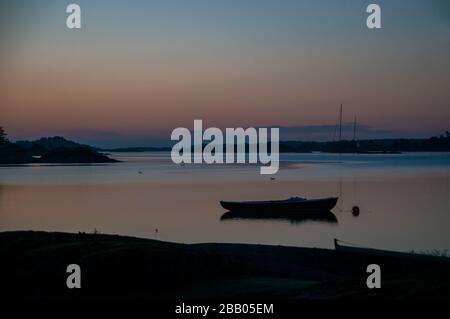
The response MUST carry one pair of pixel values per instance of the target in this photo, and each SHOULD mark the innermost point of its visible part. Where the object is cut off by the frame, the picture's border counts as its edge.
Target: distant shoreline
(60, 150)
(373, 146)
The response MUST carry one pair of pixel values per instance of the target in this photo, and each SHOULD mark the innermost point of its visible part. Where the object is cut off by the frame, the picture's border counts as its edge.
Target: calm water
(404, 199)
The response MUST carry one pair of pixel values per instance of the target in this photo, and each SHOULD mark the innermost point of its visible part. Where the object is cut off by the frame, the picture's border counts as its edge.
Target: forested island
(48, 150)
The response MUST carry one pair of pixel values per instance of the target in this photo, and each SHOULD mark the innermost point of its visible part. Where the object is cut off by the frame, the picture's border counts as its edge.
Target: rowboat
(294, 204)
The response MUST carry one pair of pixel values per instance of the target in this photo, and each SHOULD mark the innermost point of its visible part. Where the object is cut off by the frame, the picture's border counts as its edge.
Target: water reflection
(292, 217)
(403, 205)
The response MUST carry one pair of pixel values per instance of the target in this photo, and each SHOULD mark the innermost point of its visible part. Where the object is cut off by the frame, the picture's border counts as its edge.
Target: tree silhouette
(3, 139)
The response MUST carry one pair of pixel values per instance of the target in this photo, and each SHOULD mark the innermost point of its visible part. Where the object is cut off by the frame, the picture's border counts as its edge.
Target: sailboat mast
(354, 129)
(340, 124)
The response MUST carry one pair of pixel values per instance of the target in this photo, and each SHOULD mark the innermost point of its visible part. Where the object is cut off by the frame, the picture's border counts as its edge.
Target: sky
(136, 70)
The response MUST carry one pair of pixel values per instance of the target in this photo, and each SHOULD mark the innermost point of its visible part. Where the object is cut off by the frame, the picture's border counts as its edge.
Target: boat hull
(313, 205)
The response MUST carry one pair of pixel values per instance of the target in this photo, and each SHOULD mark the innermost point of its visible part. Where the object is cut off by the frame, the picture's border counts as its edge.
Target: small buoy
(355, 211)
(272, 178)
(139, 172)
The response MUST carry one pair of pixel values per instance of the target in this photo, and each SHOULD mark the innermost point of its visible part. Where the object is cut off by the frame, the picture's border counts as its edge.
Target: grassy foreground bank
(33, 265)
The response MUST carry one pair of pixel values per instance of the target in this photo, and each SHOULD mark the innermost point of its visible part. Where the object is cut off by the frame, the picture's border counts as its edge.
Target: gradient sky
(138, 69)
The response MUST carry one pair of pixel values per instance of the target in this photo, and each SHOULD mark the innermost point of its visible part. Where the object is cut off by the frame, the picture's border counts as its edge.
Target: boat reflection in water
(325, 216)
(295, 210)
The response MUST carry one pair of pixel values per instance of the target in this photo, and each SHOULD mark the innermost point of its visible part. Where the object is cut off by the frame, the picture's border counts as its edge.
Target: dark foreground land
(33, 265)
